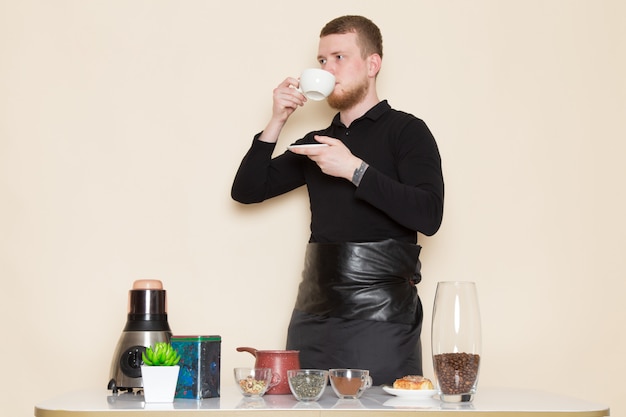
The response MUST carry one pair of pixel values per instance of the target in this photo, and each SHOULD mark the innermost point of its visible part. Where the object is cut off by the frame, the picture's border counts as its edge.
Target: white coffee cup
(316, 84)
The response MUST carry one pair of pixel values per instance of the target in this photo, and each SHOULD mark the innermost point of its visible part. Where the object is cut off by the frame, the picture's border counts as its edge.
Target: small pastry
(413, 382)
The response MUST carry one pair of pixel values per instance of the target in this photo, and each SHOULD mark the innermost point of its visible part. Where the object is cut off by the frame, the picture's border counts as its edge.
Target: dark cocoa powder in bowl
(347, 386)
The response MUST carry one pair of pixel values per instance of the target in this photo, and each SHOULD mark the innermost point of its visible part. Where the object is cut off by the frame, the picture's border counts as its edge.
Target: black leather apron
(362, 281)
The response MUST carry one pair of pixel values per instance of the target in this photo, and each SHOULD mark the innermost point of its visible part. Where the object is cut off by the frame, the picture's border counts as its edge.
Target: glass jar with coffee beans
(456, 340)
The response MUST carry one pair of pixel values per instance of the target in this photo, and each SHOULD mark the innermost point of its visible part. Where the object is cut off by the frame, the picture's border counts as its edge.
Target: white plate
(410, 393)
(412, 403)
(307, 145)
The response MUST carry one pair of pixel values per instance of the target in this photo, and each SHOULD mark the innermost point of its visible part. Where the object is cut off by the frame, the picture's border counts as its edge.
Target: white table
(375, 402)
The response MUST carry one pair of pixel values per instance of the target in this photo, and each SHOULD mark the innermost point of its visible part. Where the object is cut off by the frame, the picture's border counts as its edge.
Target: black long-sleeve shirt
(401, 193)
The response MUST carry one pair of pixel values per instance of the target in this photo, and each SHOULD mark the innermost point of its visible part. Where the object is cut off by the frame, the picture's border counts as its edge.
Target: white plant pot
(159, 383)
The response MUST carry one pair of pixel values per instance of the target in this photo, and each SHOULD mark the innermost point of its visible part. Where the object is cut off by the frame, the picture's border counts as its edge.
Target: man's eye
(322, 61)
(340, 57)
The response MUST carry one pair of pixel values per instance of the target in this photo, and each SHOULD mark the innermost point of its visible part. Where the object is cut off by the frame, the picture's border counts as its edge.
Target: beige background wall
(122, 124)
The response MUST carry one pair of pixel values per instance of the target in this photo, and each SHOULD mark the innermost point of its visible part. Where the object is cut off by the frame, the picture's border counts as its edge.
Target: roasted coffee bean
(456, 372)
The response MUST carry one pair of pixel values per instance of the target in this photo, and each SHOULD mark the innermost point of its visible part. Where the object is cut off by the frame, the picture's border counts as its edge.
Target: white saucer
(410, 393)
(307, 145)
(412, 403)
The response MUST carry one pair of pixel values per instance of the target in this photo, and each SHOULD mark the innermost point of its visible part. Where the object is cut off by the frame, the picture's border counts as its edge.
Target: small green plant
(162, 354)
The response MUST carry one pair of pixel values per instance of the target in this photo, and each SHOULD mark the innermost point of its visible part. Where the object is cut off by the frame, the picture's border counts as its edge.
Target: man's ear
(374, 62)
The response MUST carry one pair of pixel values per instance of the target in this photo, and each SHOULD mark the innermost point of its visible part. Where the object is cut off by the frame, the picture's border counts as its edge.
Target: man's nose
(328, 67)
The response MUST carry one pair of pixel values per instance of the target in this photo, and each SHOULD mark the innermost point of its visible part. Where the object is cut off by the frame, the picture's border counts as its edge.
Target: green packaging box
(199, 375)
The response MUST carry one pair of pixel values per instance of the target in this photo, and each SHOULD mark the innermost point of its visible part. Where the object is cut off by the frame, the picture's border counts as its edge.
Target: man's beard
(349, 98)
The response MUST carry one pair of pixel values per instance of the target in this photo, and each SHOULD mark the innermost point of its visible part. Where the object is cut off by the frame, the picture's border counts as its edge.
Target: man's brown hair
(368, 34)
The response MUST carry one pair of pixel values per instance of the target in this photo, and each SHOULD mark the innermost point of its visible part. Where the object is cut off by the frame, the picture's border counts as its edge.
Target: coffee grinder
(146, 325)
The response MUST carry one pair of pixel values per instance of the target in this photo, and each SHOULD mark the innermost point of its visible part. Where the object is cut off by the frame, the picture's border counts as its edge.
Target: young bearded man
(371, 190)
